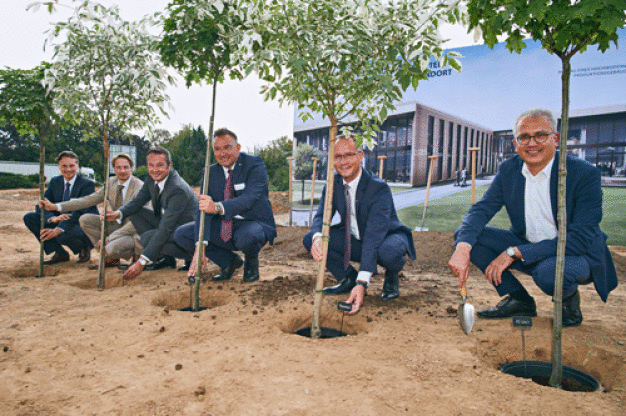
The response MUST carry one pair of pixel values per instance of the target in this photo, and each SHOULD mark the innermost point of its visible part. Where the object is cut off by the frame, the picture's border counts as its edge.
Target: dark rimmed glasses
(540, 137)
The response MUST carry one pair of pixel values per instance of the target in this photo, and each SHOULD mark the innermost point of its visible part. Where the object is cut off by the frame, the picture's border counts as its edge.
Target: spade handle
(463, 291)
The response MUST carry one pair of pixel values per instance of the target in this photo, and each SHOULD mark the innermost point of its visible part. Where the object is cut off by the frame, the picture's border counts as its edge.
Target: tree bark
(103, 222)
(328, 204)
(556, 376)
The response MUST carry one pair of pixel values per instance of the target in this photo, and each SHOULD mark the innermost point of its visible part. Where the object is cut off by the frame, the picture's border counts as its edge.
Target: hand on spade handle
(459, 263)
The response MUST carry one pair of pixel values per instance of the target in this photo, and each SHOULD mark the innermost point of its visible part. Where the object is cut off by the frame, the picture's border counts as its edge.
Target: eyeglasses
(540, 137)
(346, 156)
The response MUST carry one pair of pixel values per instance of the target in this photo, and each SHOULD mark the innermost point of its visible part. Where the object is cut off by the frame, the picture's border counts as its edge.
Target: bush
(14, 181)
(141, 172)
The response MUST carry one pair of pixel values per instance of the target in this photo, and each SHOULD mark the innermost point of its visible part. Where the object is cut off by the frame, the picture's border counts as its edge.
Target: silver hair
(532, 113)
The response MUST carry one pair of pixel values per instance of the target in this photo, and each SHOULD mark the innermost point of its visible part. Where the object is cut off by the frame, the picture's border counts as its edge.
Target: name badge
(240, 186)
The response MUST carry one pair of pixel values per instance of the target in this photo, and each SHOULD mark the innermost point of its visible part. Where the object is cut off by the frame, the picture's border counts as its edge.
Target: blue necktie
(66, 193)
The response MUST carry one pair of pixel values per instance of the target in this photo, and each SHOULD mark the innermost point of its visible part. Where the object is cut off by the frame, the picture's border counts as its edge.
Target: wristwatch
(219, 208)
(511, 253)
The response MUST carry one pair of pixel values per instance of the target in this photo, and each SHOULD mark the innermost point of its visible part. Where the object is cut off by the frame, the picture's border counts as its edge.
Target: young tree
(196, 42)
(564, 28)
(26, 103)
(342, 60)
(274, 155)
(108, 75)
(304, 164)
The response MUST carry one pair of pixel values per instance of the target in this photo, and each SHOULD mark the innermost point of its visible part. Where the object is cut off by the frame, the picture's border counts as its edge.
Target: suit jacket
(375, 214)
(98, 197)
(250, 199)
(82, 187)
(584, 212)
(178, 202)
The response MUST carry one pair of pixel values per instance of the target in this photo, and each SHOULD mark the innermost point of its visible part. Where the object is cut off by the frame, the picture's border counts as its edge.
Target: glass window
(431, 135)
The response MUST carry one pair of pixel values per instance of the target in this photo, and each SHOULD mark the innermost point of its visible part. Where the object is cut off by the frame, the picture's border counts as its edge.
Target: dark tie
(157, 201)
(118, 198)
(226, 232)
(66, 193)
(346, 254)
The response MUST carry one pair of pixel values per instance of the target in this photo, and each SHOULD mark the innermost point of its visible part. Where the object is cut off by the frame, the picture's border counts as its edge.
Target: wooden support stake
(314, 159)
(382, 164)
(474, 150)
(428, 181)
(290, 160)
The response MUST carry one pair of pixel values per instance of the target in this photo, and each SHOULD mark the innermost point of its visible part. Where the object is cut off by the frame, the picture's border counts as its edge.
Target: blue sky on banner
(496, 85)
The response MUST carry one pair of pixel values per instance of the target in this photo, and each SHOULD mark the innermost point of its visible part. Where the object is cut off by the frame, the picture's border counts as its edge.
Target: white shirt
(538, 214)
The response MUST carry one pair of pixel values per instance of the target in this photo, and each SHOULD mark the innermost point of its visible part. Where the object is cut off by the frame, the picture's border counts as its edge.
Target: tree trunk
(302, 196)
(42, 184)
(557, 328)
(205, 191)
(328, 204)
(103, 222)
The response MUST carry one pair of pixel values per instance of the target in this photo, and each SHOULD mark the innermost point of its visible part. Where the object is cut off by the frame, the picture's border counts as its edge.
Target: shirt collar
(162, 183)
(543, 173)
(72, 181)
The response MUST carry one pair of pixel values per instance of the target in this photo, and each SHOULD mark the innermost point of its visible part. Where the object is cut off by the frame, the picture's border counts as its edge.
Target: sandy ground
(70, 349)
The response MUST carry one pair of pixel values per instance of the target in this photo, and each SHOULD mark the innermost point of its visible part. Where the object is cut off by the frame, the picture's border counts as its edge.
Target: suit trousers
(391, 252)
(248, 237)
(146, 224)
(74, 237)
(122, 247)
(494, 241)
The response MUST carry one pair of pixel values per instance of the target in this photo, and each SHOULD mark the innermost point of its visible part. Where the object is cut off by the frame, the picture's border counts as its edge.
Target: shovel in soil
(465, 313)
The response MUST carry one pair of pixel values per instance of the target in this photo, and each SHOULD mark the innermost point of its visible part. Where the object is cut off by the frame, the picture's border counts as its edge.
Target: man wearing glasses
(526, 185)
(369, 231)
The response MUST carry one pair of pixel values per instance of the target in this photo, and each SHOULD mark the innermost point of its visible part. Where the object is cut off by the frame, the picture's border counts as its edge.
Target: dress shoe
(162, 263)
(344, 286)
(251, 270)
(107, 263)
(227, 272)
(84, 256)
(126, 266)
(57, 258)
(390, 286)
(509, 307)
(572, 315)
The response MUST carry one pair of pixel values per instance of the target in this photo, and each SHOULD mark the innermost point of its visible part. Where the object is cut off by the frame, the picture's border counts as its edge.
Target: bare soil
(67, 348)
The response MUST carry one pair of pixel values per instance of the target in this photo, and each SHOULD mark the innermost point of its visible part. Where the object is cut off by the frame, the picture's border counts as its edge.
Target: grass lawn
(447, 213)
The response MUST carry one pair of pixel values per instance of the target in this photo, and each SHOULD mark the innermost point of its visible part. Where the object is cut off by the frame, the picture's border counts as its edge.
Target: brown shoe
(107, 263)
(57, 258)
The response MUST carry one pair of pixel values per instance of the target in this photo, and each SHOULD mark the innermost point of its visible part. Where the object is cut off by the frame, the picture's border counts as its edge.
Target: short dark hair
(122, 156)
(160, 150)
(225, 132)
(67, 153)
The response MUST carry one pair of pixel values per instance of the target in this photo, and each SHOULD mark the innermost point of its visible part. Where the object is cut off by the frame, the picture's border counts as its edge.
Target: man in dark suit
(173, 203)
(64, 229)
(375, 234)
(240, 214)
(526, 185)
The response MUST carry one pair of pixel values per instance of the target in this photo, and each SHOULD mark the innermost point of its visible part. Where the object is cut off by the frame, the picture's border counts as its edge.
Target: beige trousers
(122, 245)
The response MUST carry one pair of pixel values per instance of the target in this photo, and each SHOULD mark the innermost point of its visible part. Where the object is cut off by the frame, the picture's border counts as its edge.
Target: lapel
(340, 197)
(74, 189)
(218, 181)
(554, 185)
(237, 172)
(360, 194)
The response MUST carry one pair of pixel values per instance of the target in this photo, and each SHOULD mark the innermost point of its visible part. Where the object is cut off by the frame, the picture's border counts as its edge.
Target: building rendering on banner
(408, 136)
(452, 112)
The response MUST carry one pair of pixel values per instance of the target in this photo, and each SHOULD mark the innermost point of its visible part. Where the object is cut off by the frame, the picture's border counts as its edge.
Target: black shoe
(390, 286)
(251, 270)
(509, 307)
(344, 286)
(57, 258)
(572, 315)
(84, 256)
(185, 267)
(162, 263)
(228, 271)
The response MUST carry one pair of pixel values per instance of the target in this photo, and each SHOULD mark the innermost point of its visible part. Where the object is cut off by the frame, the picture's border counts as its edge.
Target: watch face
(510, 251)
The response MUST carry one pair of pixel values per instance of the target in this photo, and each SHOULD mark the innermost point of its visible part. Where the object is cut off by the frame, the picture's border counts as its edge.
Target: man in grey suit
(122, 240)
(173, 203)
